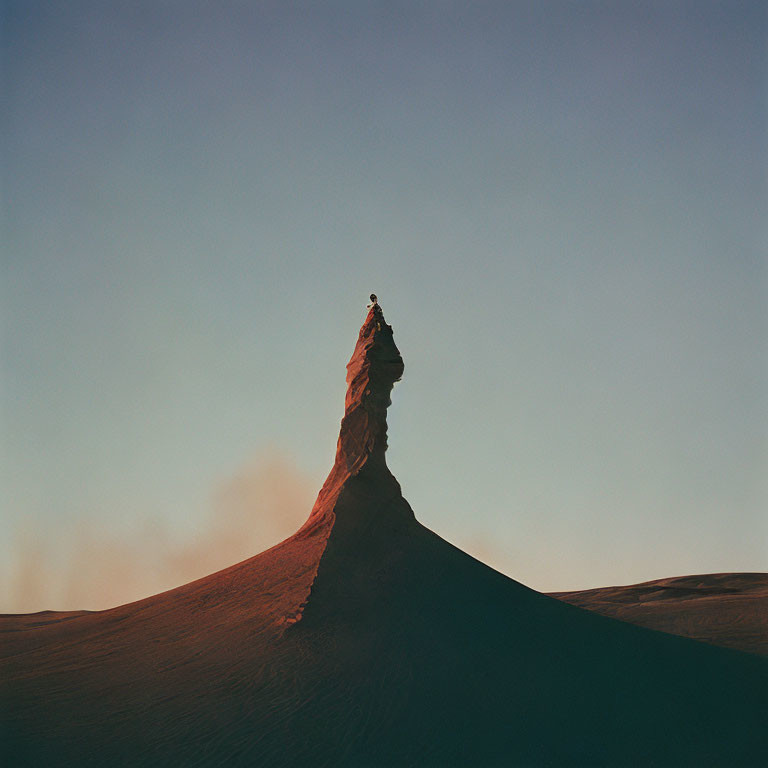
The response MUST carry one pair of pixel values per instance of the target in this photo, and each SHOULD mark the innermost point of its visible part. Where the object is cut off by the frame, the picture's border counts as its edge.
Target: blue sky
(561, 206)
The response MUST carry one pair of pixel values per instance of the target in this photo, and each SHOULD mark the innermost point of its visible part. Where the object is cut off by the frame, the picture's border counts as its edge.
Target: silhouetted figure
(374, 301)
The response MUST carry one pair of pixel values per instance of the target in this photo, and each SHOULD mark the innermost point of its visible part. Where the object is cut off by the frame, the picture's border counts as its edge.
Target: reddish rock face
(366, 639)
(372, 371)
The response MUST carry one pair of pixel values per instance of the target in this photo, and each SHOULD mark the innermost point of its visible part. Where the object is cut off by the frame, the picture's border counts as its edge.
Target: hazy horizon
(561, 207)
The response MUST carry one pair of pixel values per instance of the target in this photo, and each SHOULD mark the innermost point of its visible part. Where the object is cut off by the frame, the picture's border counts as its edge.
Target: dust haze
(259, 505)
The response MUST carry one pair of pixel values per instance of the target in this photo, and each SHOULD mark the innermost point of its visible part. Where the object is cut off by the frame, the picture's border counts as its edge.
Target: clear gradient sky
(561, 205)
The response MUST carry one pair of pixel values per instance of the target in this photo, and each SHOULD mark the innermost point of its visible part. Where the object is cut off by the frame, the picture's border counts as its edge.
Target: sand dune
(727, 609)
(365, 639)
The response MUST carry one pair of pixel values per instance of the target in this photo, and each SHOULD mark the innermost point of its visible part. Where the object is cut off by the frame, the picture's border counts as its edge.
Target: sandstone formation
(362, 640)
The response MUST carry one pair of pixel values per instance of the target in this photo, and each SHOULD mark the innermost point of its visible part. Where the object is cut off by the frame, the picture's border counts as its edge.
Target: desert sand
(367, 640)
(727, 609)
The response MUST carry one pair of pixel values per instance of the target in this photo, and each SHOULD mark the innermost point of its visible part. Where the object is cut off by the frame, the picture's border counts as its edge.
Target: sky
(561, 206)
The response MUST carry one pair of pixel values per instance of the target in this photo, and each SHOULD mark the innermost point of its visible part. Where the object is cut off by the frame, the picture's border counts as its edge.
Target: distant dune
(367, 640)
(727, 609)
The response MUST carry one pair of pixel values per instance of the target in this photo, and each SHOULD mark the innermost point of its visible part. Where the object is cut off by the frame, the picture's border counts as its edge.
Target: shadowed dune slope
(727, 609)
(364, 640)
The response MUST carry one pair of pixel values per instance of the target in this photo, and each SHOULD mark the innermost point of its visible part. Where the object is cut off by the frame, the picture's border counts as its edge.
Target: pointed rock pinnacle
(372, 371)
